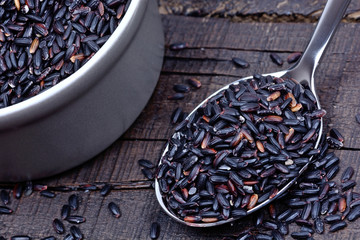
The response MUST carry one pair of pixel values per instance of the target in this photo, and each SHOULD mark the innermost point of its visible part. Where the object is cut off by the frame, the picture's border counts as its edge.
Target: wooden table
(215, 31)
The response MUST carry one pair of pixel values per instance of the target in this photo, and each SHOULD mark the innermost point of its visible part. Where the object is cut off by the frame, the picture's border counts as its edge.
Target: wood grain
(118, 163)
(212, 43)
(272, 9)
(335, 78)
(34, 214)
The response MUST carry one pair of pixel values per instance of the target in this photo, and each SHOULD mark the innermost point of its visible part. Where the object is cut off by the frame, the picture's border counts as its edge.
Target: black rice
(73, 201)
(240, 62)
(47, 193)
(76, 219)
(20, 237)
(276, 59)
(5, 196)
(49, 238)
(178, 46)
(76, 232)
(5, 210)
(65, 211)
(58, 226)
(237, 149)
(293, 57)
(114, 209)
(154, 230)
(194, 82)
(105, 190)
(45, 42)
(357, 116)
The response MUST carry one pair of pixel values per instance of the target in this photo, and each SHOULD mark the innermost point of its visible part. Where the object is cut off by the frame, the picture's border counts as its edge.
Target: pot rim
(77, 84)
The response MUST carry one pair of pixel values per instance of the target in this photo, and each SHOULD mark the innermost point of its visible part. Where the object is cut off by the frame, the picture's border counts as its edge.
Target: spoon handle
(332, 14)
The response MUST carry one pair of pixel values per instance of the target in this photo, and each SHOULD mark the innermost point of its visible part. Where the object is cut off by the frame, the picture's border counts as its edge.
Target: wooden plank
(117, 165)
(34, 214)
(232, 35)
(209, 59)
(223, 33)
(276, 10)
(124, 173)
(213, 67)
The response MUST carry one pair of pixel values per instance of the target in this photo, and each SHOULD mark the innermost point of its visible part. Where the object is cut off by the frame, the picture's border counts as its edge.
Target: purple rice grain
(334, 142)
(354, 203)
(65, 211)
(263, 236)
(336, 134)
(301, 235)
(39, 187)
(28, 188)
(74, 201)
(307, 229)
(277, 235)
(146, 163)
(357, 118)
(114, 209)
(76, 219)
(5, 197)
(63, 188)
(319, 225)
(347, 174)
(5, 210)
(194, 82)
(342, 205)
(240, 62)
(293, 57)
(20, 237)
(347, 185)
(354, 214)
(276, 59)
(332, 218)
(178, 46)
(18, 190)
(283, 228)
(176, 96)
(337, 226)
(68, 237)
(106, 189)
(76, 232)
(176, 115)
(181, 88)
(58, 226)
(86, 188)
(47, 193)
(47, 238)
(147, 173)
(154, 230)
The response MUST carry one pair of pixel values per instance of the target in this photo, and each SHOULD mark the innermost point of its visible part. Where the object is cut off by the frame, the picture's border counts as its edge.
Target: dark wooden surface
(268, 11)
(213, 38)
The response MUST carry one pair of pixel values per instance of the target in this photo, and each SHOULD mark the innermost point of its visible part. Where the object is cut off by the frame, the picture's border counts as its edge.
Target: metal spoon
(303, 71)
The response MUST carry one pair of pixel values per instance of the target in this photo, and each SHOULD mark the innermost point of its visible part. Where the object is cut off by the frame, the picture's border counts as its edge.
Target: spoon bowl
(303, 71)
(258, 206)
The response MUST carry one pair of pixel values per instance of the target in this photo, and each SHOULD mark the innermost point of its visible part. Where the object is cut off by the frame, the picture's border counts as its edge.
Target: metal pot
(83, 114)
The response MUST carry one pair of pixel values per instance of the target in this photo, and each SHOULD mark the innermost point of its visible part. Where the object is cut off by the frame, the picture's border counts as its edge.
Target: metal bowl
(83, 114)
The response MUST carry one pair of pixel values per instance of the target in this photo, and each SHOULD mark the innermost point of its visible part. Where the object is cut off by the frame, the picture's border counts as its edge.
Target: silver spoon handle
(332, 14)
